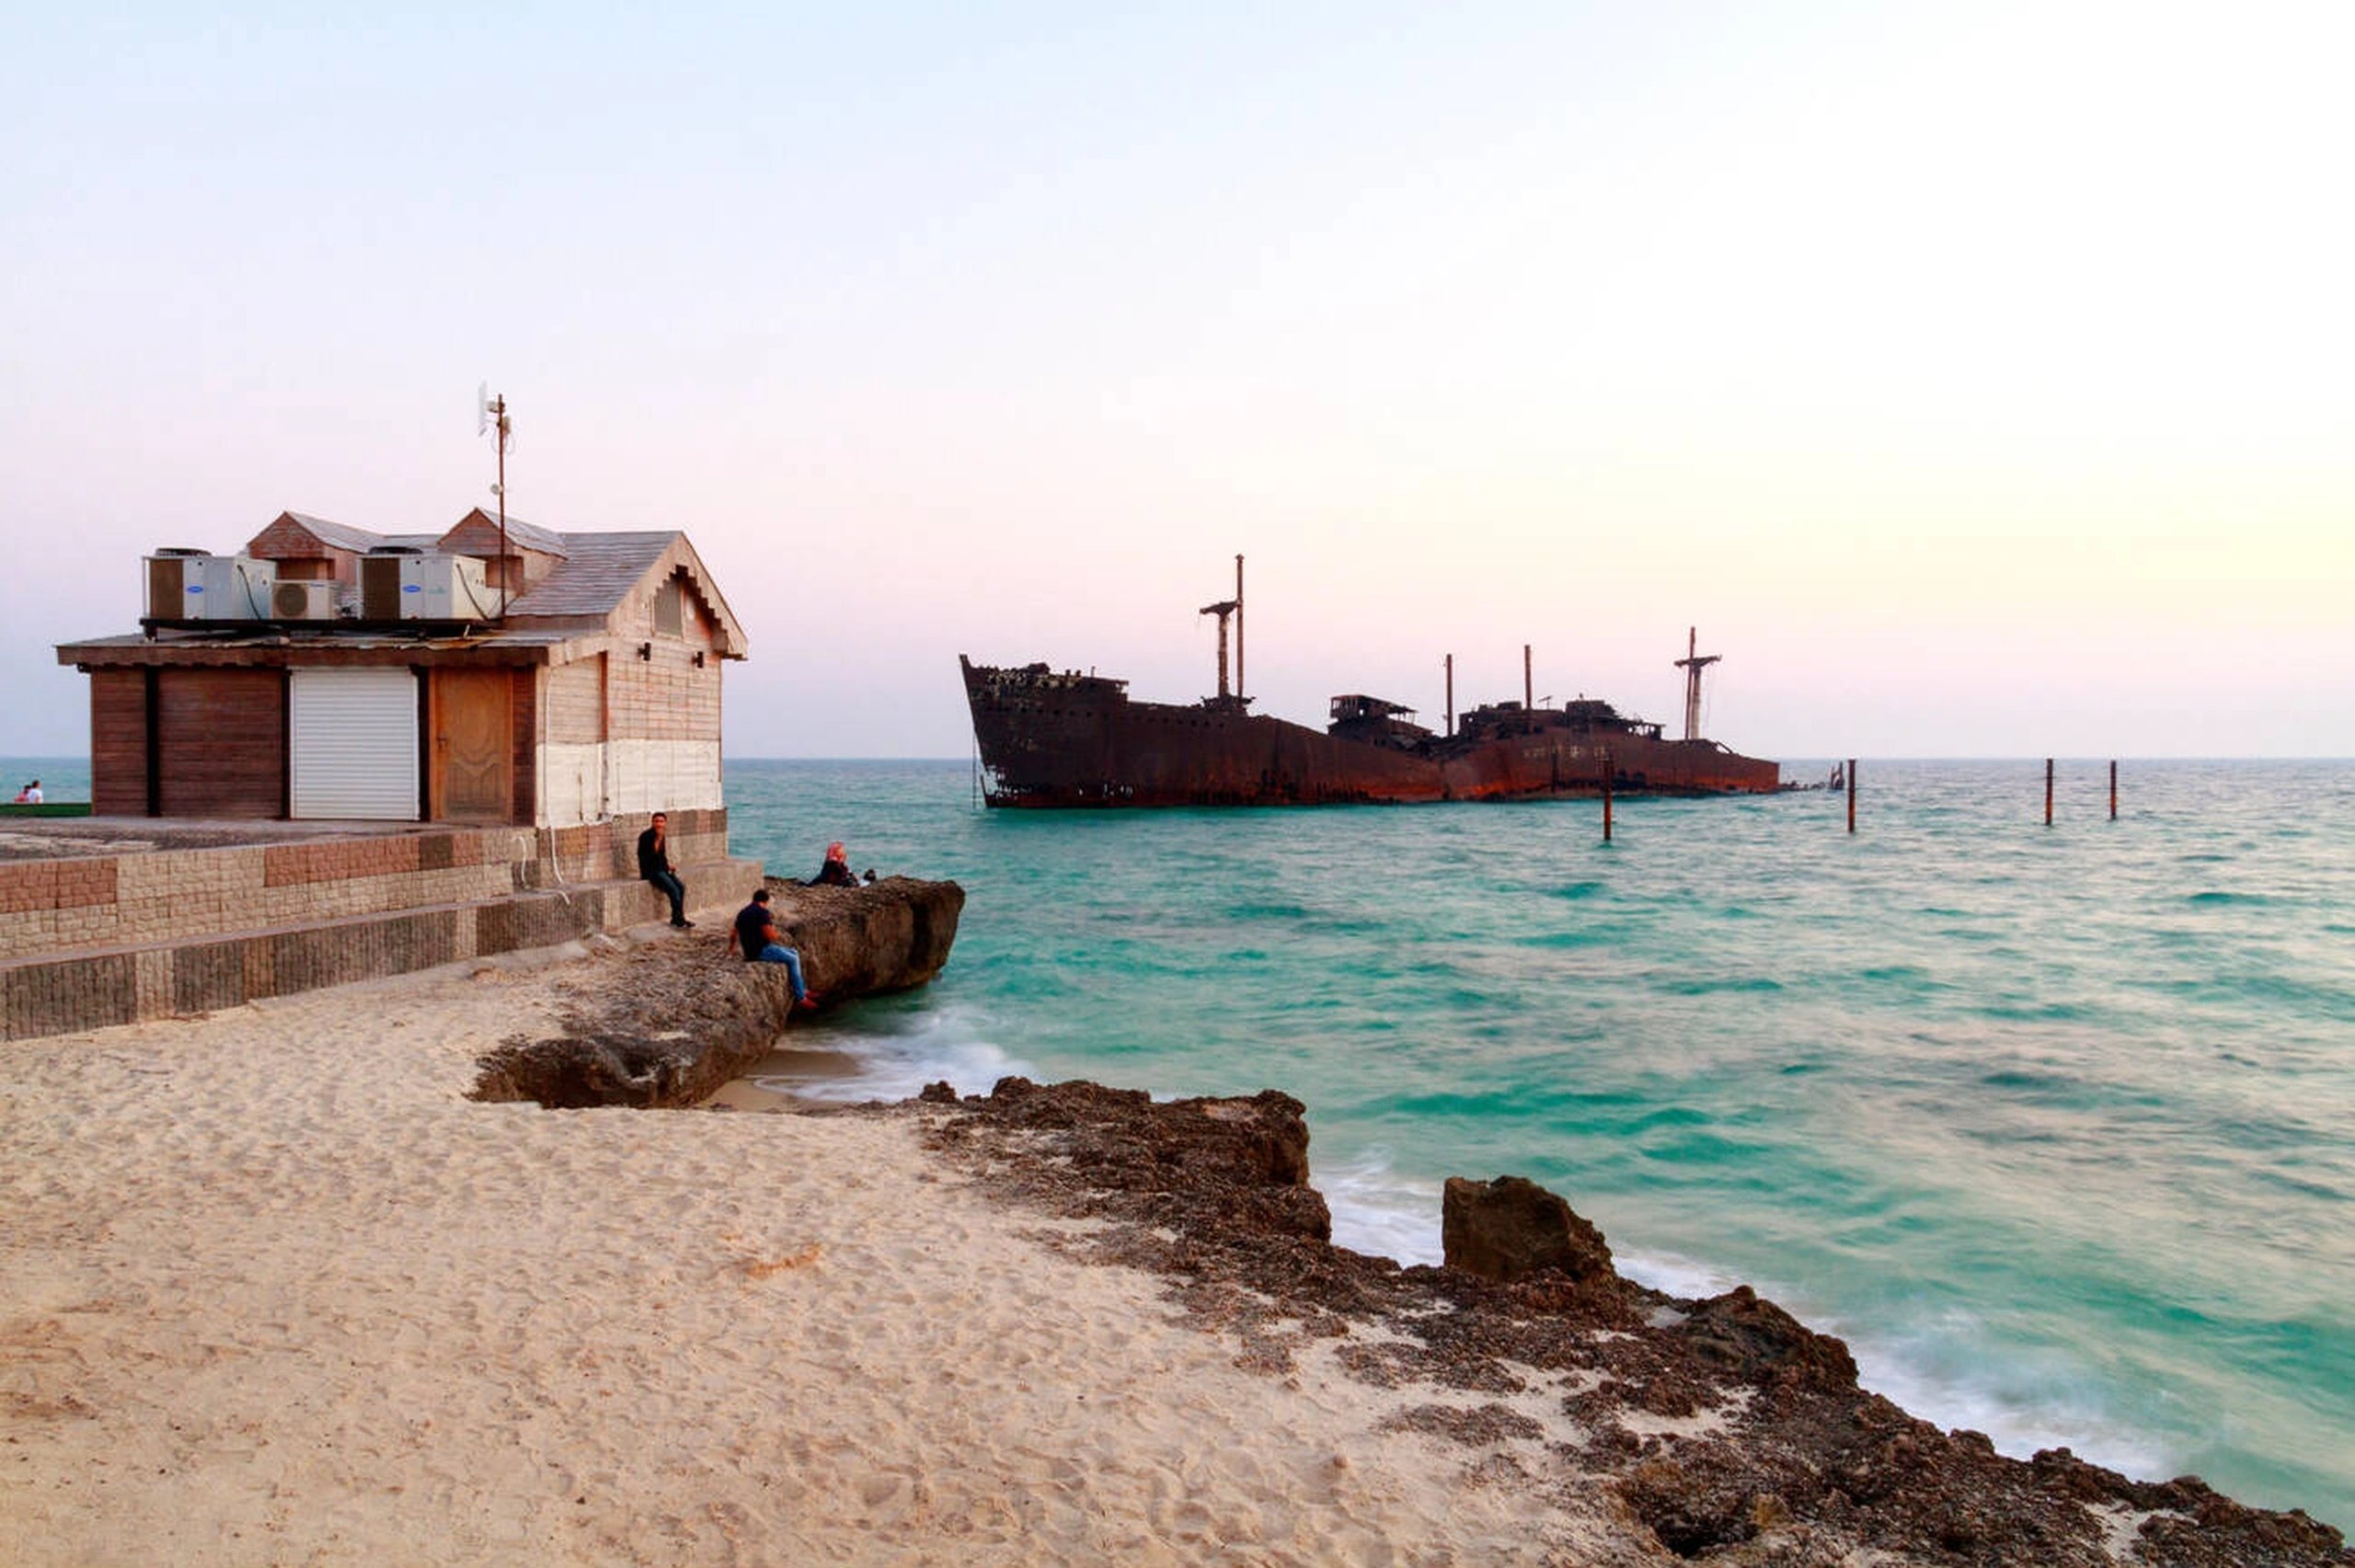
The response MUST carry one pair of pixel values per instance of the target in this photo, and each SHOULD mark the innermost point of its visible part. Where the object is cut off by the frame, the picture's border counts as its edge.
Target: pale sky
(1979, 378)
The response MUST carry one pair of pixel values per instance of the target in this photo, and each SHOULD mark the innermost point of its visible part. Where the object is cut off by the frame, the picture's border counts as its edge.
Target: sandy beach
(279, 1292)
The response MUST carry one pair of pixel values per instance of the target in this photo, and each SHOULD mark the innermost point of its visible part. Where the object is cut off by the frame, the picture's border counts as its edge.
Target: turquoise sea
(2052, 1125)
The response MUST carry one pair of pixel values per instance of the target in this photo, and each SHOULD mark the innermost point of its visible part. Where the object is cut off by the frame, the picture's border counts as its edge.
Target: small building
(488, 674)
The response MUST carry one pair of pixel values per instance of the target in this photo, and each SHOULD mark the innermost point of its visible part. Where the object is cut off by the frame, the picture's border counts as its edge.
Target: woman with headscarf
(836, 872)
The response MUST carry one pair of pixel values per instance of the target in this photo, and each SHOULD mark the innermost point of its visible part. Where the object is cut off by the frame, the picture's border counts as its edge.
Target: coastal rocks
(1764, 1345)
(1512, 1227)
(1242, 1162)
(668, 1022)
(1720, 1430)
(888, 935)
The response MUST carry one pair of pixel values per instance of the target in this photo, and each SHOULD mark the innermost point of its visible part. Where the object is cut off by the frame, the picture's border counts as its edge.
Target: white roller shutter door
(353, 751)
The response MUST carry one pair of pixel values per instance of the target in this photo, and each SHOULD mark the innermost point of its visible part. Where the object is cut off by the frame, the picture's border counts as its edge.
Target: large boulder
(1511, 1227)
(888, 935)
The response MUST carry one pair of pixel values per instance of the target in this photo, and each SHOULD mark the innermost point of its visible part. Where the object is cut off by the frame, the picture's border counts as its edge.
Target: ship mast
(1693, 663)
(1238, 631)
(1223, 609)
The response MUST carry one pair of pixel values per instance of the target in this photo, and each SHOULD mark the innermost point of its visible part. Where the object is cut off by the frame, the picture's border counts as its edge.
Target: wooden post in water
(1606, 797)
(1852, 795)
(2113, 789)
(2047, 792)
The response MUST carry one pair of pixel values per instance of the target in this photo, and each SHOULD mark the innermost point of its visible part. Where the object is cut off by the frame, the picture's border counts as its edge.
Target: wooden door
(473, 752)
(221, 742)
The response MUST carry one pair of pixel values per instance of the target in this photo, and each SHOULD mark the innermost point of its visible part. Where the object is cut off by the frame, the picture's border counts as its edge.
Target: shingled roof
(601, 570)
(589, 577)
(360, 541)
(521, 534)
(598, 572)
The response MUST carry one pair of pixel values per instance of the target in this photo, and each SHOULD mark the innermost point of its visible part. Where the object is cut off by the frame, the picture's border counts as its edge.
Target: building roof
(274, 647)
(530, 536)
(358, 540)
(589, 581)
(598, 573)
(602, 570)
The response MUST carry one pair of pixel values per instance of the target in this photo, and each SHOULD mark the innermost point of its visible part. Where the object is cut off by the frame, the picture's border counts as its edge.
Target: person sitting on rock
(836, 871)
(756, 935)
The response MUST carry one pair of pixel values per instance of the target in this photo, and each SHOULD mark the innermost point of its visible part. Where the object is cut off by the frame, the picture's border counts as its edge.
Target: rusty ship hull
(1059, 740)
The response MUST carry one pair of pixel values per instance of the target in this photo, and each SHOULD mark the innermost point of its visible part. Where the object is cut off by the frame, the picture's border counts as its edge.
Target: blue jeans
(778, 953)
(667, 883)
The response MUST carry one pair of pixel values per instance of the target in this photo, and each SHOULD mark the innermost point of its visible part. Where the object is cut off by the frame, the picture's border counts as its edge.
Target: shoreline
(769, 1084)
(281, 1290)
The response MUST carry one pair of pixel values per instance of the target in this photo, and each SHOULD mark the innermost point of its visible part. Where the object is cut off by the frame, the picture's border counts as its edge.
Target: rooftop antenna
(1693, 663)
(489, 409)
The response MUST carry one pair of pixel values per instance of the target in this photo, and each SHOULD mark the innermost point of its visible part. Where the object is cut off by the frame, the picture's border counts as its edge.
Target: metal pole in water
(2047, 792)
(1852, 795)
(2113, 789)
(1606, 797)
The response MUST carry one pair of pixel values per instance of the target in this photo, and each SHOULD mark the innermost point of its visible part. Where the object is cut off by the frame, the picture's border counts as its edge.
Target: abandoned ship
(1062, 739)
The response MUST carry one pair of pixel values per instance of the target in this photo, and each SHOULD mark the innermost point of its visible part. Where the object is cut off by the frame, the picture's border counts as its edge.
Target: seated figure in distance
(836, 871)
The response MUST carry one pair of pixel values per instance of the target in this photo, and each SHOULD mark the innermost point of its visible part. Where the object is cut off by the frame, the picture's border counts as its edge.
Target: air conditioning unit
(184, 585)
(291, 600)
(403, 587)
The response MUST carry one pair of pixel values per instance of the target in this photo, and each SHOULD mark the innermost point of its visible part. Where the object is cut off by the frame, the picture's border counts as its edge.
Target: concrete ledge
(106, 888)
(97, 987)
(716, 889)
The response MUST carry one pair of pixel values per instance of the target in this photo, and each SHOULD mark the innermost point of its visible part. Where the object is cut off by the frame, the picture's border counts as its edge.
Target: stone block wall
(89, 943)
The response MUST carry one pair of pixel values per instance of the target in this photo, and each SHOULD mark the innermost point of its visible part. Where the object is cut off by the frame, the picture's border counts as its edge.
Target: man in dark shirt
(654, 866)
(758, 937)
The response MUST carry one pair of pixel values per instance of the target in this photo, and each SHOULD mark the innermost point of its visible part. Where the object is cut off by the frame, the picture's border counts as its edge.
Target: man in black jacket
(654, 864)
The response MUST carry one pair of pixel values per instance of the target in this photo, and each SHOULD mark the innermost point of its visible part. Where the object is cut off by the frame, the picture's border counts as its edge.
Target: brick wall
(666, 697)
(575, 695)
(173, 895)
(288, 543)
(89, 943)
(478, 535)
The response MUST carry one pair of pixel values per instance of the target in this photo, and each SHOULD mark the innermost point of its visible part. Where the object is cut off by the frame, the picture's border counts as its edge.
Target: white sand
(274, 1292)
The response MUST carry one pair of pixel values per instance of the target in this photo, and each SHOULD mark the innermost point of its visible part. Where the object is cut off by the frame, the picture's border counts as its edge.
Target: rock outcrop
(1244, 1160)
(890, 935)
(1721, 1430)
(672, 1021)
(1511, 1227)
